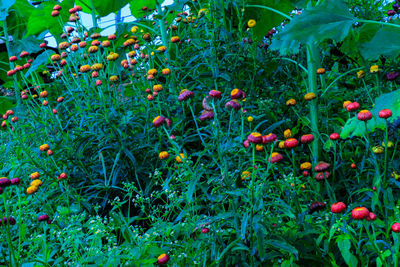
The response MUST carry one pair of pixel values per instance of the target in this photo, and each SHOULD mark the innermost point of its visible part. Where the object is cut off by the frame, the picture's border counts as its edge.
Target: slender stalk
(312, 59)
(93, 14)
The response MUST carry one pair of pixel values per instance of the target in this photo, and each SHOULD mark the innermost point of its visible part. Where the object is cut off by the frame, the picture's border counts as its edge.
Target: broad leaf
(40, 60)
(265, 18)
(4, 6)
(386, 42)
(390, 101)
(103, 7)
(137, 5)
(344, 247)
(330, 20)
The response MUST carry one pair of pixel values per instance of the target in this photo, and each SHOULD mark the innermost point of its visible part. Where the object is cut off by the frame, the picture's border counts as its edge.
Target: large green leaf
(4, 6)
(266, 19)
(103, 7)
(41, 20)
(329, 20)
(17, 19)
(390, 101)
(5, 104)
(29, 44)
(386, 42)
(344, 245)
(136, 7)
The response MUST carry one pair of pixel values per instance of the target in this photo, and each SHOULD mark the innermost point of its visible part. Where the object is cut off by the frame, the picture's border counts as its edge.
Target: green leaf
(103, 7)
(136, 7)
(29, 44)
(17, 19)
(386, 42)
(344, 247)
(329, 20)
(39, 61)
(266, 19)
(4, 6)
(5, 104)
(354, 127)
(41, 20)
(283, 245)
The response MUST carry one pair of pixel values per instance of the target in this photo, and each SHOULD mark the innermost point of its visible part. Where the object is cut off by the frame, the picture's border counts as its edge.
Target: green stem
(273, 10)
(93, 14)
(312, 61)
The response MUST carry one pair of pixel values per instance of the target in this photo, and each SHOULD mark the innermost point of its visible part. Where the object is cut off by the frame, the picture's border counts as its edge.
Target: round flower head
(255, 138)
(42, 218)
(371, 217)
(346, 103)
(321, 71)
(205, 103)
(364, 115)
(353, 106)
(4, 182)
(215, 94)
(259, 147)
(15, 181)
(233, 104)
(163, 259)
(374, 69)
(305, 166)
(322, 176)
(378, 149)
(206, 115)
(291, 102)
(360, 74)
(308, 138)
(291, 143)
(275, 157)
(334, 136)
(158, 121)
(287, 133)
(338, 207)
(185, 94)
(251, 23)
(322, 166)
(268, 138)
(385, 113)
(310, 96)
(180, 158)
(360, 213)
(396, 227)
(238, 94)
(246, 143)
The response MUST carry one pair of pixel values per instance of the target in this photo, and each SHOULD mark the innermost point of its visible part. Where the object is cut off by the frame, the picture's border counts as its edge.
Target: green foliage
(104, 7)
(4, 6)
(354, 127)
(386, 42)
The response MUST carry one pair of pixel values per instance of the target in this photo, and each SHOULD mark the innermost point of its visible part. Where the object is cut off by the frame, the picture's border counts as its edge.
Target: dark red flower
(158, 121)
(233, 104)
(185, 94)
(255, 138)
(306, 173)
(238, 94)
(316, 206)
(338, 207)
(353, 106)
(364, 115)
(291, 143)
(396, 227)
(371, 217)
(269, 138)
(215, 94)
(322, 175)
(308, 138)
(385, 113)
(275, 157)
(334, 136)
(206, 115)
(205, 230)
(322, 166)
(42, 218)
(360, 213)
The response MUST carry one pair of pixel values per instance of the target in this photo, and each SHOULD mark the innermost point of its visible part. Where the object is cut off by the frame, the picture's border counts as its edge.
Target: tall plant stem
(93, 14)
(16, 91)
(312, 62)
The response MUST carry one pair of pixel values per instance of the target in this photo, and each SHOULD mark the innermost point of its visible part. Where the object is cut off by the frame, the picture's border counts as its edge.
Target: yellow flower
(180, 158)
(287, 133)
(395, 175)
(114, 78)
(134, 29)
(250, 118)
(36, 183)
(245, 175)
(163, 155)
(374, 69)
(390, 144)
(360, 74)
(310, 96)
(252, 23)
(203, 11)
(281, 144)
(305, 166)
(378, 149)
(152, 53)
(32, 189)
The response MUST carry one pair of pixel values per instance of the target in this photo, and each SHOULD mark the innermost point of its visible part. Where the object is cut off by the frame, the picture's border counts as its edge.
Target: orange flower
(163, 155)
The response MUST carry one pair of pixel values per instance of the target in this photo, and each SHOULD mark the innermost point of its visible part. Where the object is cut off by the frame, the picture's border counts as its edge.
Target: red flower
(291, 143)
(237, 93)
(246, 143)
(396, 227)
(371, 217)
(275, 157)
(353, 106)
(42, 218)
(338, 207)
(364, 115)
(206, 115)
(322, 175)
(158, 121)
(13, 58)
(385, 113)
(306, 173)
(205, 230)
(268, 138)
(215, 94)
(360, 213)
(308, 138)
(162, 259)
(255, 138)
(322, 166)
(233, 104)
(316, 206)
(334, 136)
